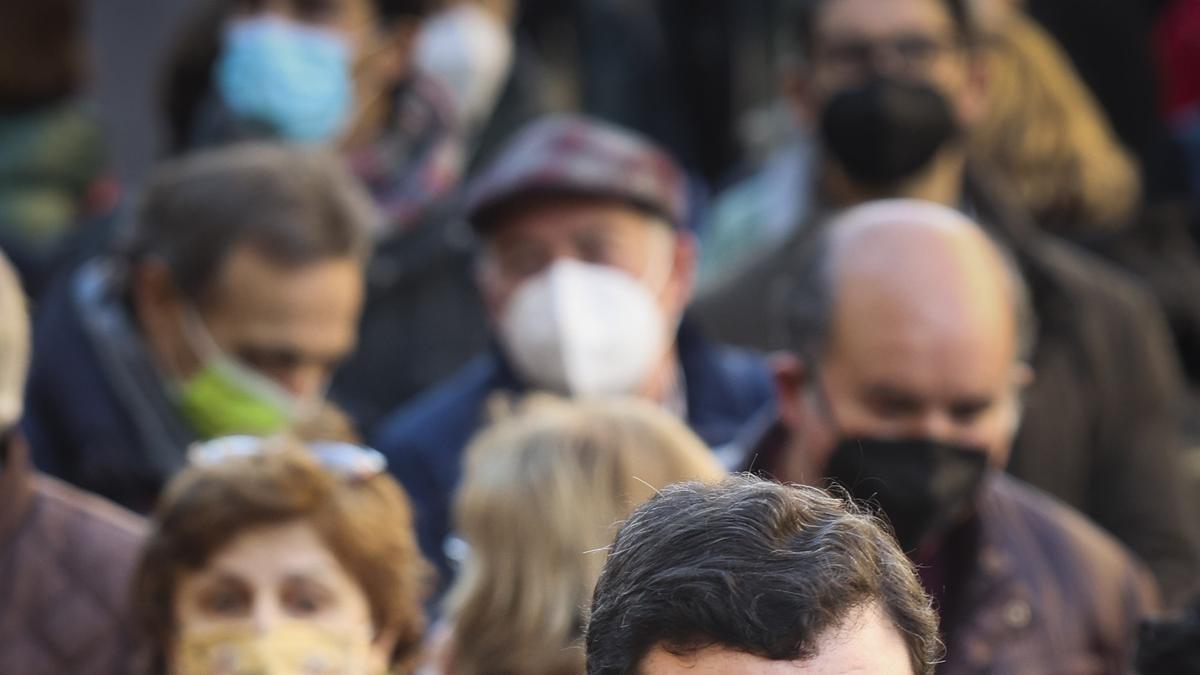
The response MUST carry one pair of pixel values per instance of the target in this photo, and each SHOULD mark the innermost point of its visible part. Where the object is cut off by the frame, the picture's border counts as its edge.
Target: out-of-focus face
(381, 55)
(265, 580)
(868, 645)
(292, 325)
(354, 19)
(909, 39)
(595, 231)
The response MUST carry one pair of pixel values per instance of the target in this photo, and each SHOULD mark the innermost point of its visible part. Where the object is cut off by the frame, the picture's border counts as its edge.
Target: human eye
(225, 599)
(968, 412)
(305, 597)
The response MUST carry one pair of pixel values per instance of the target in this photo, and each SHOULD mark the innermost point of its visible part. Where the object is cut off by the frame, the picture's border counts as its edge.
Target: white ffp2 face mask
(584, 330)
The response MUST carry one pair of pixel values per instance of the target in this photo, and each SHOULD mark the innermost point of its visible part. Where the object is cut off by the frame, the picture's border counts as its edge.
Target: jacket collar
(128, 367)
(16, 486)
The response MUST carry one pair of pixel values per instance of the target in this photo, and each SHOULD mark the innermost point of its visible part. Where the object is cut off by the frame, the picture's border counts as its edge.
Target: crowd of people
(490, 337)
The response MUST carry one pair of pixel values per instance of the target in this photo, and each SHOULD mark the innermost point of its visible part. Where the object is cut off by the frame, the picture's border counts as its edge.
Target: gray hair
(295, 205)
(806, 303)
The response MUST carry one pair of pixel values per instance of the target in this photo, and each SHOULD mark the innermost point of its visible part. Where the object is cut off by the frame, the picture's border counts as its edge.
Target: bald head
(910, 322)
(916, 264)
(14, 345)
(907, 259)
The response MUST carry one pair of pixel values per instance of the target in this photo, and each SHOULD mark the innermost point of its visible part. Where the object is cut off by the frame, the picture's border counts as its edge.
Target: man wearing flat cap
(585, 269)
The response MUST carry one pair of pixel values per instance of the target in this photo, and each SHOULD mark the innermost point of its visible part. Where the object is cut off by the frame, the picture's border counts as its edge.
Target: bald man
(909, 339)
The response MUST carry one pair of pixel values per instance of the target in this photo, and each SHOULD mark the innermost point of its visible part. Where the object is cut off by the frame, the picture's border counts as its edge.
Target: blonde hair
(14, 345)
(1044, 132)
(542, 497)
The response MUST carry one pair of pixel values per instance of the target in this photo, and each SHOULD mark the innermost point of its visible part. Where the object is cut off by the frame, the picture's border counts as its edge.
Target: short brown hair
(294, 205)
(755, 566)
(367, 525)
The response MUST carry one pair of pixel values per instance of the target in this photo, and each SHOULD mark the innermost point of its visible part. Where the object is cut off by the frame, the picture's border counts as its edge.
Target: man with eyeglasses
(889, 89)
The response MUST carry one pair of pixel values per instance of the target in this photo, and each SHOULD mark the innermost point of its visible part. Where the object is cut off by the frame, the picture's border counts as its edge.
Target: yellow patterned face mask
(292, 648)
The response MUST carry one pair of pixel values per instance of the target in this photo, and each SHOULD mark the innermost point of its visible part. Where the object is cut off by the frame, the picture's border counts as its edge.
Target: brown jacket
(1028, 586)
(1049, 593)
(65, 562)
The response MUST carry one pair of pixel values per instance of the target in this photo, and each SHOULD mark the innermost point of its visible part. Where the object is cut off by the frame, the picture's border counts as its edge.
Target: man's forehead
(566, 218)
(837, 18)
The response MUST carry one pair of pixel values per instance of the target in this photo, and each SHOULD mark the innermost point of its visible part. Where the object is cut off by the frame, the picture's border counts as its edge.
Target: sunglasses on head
(347, 460)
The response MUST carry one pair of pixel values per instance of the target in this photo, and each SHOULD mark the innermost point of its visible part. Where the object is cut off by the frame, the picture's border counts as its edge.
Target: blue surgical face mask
(291, 76)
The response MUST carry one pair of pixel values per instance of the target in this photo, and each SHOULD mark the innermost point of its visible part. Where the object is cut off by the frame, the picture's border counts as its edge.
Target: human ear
(790, 373)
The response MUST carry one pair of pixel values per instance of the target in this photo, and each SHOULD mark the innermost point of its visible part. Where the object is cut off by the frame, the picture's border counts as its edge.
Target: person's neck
(664, 383)
(941, 181)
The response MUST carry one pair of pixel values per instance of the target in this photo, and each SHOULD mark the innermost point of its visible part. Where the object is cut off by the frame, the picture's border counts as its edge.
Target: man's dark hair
(805, 14)
(295, 205)
(753, 566)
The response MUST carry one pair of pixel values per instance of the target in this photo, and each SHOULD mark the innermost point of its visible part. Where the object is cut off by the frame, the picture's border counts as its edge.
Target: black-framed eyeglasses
(346, 460)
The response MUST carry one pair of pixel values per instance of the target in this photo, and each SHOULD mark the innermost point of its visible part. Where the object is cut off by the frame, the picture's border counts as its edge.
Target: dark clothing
(1048, 592)
(1027, 585)
(98, 414)
(1100, 430)
(65, 563)
(423, 319)
(424, 442)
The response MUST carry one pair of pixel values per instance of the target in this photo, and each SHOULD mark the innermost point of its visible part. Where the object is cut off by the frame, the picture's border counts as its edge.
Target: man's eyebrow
(887, 390)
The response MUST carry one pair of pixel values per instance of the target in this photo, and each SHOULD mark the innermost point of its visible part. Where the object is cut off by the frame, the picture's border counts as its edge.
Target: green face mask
(227, 398)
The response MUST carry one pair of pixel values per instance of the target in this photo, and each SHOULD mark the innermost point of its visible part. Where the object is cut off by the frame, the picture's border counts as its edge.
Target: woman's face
(274, 597)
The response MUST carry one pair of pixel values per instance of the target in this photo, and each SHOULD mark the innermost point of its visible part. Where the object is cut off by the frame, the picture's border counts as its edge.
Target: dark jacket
(1100, 430)
(1044, 591)
(98, 414)
(424, 442)
(65, 563)
(1026, 587)
(422, 321)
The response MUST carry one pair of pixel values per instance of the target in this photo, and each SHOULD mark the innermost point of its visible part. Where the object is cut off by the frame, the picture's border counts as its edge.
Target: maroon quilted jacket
(65, 561)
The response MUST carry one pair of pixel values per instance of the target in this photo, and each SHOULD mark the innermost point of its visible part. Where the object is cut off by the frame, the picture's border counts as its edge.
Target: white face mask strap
(197, 334)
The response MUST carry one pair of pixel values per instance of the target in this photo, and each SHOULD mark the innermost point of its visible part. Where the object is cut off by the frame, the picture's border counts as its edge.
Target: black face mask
(922, 486)
(886, 130)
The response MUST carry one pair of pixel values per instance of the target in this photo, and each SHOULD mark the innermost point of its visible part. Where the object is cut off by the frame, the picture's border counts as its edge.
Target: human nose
(935, 425)
(305, 381)
(266, 613)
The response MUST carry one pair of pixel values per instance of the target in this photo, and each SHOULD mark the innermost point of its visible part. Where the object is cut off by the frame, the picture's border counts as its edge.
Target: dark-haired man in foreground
(751, 577)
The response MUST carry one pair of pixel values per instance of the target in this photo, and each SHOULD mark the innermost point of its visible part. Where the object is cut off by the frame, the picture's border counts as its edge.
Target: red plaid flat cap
(574, 155)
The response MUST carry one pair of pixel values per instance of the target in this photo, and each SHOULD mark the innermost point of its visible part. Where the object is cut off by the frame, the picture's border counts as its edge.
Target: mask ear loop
(196, 333)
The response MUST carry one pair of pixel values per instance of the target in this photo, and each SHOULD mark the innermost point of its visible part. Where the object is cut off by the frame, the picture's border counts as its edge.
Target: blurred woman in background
(542, 495)
(272, 556)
